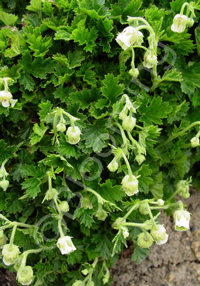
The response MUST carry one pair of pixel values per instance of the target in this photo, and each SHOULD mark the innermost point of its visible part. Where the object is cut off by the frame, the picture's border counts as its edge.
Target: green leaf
(8, 19)
(40, 68)
(197, 39)
(39, 45)
(157, 188)
(191, 78)
(104, 244)
(62, 35)
(105, 27)
(118, 241)
(180, 164)
(111, 89)
(27, 81)
(66, 149)
(32, 187)
(84, 216)
(110, 192)
(172, 75)
(85, 37)
(95, 135)
(14, 206)
(7, 152)
(154, 111)
(139, 254)
(45, 107)
(38, 133)
(35, 6)
(145, 179)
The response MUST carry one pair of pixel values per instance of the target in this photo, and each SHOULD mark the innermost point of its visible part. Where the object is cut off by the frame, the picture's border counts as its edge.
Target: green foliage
(70, 77)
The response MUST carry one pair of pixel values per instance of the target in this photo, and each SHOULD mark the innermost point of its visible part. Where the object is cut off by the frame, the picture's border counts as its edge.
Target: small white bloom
(6, 99)
(150, 60)
(182, 220)
(159, 234)
(65, 245)
(125, 232)
(128, 37)
(130, 185)
(195, 142)
(179, 23)
(160, 202)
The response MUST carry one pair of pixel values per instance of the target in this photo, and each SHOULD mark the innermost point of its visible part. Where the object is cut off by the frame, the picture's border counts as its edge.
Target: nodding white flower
(25, 275)
(128, 123)
(195, 142)
(150, 60)
(73, 134)
(6, 99)
(10, 254)
(145, 240)
(159, 234)
(65, 245)
(130, 185)
(128, 37)
(179, 23)
(182, 220)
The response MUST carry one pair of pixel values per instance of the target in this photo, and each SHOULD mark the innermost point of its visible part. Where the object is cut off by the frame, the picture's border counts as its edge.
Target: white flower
(65, 245)
(179, 23)
(6, 99)
(125, 232)
(128, 37)
(182, 220)
(160, 202)
(25, 275)
(159, 234)
(130, 185)
(195, 142)
(149, 60)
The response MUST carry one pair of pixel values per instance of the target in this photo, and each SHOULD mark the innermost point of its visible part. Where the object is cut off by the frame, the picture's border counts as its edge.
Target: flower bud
(65, 245)
(128, 123)
(159, 234)
(25, 275)
(50, 195)
(140, 159)
(78, 283)
(183, 187)
(190, 22)
(125, 232)
(90, 283)
(4, 184)
(10, 254)
(5, 98)
(160, 202)
(73, 135)
(179, 23)
(85, 202)
(128, 37)
(143, 209)
(63, 206)
(61, 127)
(150, 60)
(113, 165)
(130, 185)
(101, 214)
(145, 240)
(134, 73)
(3, 172)
(3, 238)
(194, 142)
(182, 220)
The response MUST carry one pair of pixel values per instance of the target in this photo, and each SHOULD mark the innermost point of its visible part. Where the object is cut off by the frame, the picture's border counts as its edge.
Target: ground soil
(176, 263)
